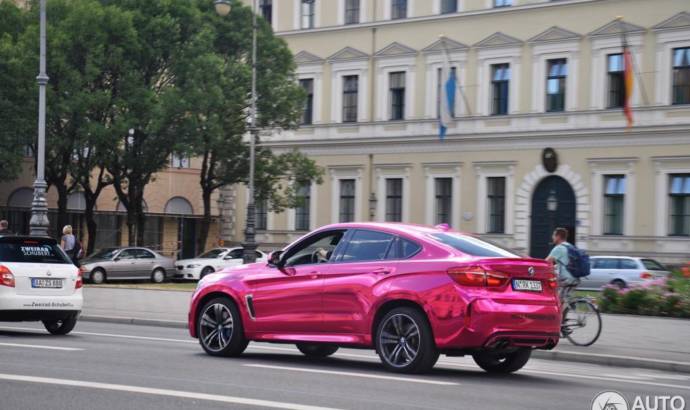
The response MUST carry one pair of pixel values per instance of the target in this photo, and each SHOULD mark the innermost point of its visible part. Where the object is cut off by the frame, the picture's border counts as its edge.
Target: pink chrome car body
(340, 302)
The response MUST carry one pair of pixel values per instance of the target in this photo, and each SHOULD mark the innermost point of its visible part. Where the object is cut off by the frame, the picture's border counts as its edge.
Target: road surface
(114, 366)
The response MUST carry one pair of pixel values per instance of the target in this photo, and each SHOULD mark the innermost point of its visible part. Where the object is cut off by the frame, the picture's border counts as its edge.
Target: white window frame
(387, 9)
(385, 66)
(292, 212)
(443, 170)
(541, 54)
(183, 161)
(297, 20)
(396, 171)
(483, 171)
(490, 4)
(665, 166)
(666, 42)
(337, 174)
(601, 48)
(274, 14)
(600, 168)
(486, 59)
(458, 59)
(313, 72)
(362, 12)
(343, 69)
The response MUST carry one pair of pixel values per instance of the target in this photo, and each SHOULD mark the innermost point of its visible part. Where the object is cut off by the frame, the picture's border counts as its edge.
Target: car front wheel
(206, 271)
(404, 341)
(61, 326)
(219, 328)
(502, 362)
(316, 350)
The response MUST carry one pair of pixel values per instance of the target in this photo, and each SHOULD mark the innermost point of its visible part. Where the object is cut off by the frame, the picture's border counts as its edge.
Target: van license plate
(44, 283)
(528, 285)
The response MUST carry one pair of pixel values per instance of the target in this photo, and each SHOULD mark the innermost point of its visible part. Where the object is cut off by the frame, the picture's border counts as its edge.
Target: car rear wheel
(493, 362)
(404, 341)
(61, 326)
(316, 350)
(619, 283)
(219, 328)
(97, 276)
(158, 276)
(206, 271)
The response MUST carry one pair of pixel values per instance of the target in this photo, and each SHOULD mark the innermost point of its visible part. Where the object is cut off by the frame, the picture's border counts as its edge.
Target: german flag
(628, 81)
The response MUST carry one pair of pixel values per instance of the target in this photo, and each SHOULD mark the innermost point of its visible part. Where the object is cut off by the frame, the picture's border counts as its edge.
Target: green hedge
(665, 297)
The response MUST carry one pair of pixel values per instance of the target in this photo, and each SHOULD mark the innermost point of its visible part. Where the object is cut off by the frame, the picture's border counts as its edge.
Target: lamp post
(249, 256)
(39, 207)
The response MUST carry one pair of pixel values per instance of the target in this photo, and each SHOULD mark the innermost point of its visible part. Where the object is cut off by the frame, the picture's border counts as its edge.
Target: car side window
(314, 249)
(606, 263)
(144, 254)
(235, 254)
(259, 255)
(127, 254)
(651, 264)
(402, 249)
(629, 264)
(366, 245)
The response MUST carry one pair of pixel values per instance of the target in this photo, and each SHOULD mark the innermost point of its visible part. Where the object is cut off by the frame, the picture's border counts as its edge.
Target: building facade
(538, 137)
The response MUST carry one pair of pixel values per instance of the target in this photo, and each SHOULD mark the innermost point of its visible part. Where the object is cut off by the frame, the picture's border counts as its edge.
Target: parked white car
(212, 261)
(621, 271)
(38, 282)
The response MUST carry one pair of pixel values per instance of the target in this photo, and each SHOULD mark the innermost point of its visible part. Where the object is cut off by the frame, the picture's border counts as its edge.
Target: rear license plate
(45, 283)
(528, 285)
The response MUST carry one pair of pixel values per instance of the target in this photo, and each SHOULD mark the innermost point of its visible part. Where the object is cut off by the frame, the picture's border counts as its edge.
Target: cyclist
(559, 257)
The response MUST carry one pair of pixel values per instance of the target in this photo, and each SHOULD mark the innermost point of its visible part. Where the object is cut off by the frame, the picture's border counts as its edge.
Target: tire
(230, 341)
(61, 327)
(158, 275)
(502, 363)
(581, 322)
(97, 276)
(206, 271)
(316, 350)
(620, 283)
(404, 341)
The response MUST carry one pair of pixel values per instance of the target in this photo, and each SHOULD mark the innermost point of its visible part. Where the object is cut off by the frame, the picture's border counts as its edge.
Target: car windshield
(31, 251)
(105, 253)
(212, 254)
(470, 245)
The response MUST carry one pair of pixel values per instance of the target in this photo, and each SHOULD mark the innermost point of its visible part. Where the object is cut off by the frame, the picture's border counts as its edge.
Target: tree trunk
(62, 219)
(205, 222)
(91, 228)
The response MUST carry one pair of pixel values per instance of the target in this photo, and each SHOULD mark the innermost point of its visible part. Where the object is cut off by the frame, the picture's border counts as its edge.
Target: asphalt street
(114, 366)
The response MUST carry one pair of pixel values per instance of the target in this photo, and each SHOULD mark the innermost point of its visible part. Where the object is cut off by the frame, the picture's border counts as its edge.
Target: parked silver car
(621, 271)
(127, 263)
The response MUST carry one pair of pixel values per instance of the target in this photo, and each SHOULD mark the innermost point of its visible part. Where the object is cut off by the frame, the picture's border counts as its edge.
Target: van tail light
(6, 277)
(80, 278)
(476, 276)
(646, 275)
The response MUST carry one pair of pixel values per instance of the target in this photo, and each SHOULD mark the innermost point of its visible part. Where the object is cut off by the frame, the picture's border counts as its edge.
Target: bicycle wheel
(581, 322)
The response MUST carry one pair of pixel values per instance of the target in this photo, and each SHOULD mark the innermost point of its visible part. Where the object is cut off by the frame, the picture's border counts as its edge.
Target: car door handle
(383, 271)
(314, 275)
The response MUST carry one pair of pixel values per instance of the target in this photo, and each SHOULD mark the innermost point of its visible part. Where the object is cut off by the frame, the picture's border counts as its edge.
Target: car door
(144, 264)
(348, 283)
(607, 271)
(288, 299)
(123, 265)
(629, 270)
(594, 279)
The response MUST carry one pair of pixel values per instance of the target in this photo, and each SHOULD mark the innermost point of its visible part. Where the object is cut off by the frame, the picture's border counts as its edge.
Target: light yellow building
(534, 74)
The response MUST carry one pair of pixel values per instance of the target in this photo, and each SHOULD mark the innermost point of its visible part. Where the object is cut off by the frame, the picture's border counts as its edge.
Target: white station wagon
(621, 271)
(38, 282)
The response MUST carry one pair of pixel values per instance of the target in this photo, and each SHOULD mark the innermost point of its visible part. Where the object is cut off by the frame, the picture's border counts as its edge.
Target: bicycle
(581, 323)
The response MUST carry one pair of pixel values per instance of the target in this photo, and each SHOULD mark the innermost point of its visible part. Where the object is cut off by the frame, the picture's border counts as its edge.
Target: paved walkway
(623, 337)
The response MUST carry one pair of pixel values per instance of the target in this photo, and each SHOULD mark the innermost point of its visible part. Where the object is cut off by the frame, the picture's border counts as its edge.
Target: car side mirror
(276, 259)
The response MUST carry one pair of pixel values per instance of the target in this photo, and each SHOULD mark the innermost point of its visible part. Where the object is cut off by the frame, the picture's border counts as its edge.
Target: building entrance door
(553, 205)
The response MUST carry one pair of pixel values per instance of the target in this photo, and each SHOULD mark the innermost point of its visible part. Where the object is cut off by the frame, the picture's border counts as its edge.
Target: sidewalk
(655, 343)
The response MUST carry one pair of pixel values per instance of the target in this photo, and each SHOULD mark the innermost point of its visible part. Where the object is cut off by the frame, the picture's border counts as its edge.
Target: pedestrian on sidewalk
(559, 257)
(70, 244)
(5, 228)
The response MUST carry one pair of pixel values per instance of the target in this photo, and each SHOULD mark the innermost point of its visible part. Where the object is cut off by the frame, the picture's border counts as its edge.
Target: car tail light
(80, 277)
(646, 275)
(6, 277)
(476, 276)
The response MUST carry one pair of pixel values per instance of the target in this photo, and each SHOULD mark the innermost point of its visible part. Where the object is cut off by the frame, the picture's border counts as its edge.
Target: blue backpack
(578, 262)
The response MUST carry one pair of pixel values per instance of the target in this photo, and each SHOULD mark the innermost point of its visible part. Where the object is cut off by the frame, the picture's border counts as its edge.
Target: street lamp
(39, 207)
(249, 256)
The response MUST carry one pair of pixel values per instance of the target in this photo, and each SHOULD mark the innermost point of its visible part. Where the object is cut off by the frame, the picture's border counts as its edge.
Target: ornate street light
(223, 9)
(39, 207)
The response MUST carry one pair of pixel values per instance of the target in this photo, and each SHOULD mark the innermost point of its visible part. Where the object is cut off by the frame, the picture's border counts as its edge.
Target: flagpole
(636, 71)
(459, 85)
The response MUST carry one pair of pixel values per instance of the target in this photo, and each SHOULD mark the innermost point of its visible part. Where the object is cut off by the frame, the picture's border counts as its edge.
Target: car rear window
(651, 264)
(31, 251)
(470, 245)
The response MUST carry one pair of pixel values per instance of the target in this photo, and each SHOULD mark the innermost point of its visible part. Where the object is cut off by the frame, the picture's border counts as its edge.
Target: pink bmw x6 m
(410, 292)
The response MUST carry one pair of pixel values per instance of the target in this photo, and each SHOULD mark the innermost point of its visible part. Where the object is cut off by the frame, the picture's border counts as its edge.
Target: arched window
(178, 206)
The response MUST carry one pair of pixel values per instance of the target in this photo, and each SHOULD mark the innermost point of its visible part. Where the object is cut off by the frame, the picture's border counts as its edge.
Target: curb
(555, 355)
(134, 321)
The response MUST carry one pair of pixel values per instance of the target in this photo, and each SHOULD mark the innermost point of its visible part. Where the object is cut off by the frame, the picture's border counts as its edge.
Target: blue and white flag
(448, 87)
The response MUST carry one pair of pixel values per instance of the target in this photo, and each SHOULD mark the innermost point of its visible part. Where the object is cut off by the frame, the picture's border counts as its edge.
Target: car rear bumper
(35, 315)
(10, 301)
(490, 324)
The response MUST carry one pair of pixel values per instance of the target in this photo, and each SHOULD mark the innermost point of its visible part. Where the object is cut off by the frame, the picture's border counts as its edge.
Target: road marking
(663, 376)
(161, 392)
(353, 374)
(66, 349)
(158, 339)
